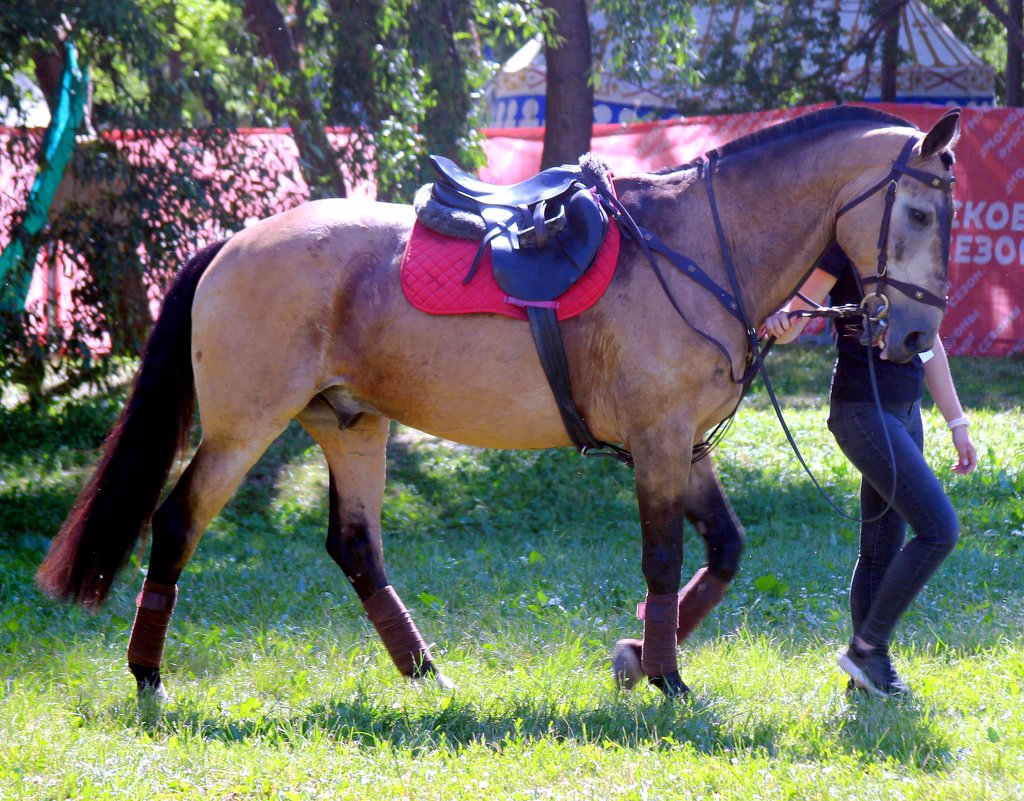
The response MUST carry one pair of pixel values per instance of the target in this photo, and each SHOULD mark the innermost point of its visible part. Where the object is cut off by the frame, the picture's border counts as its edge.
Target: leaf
(766, 583)
(993, 735)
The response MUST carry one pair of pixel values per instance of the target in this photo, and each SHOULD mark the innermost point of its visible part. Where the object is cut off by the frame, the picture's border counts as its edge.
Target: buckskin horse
(302, 316)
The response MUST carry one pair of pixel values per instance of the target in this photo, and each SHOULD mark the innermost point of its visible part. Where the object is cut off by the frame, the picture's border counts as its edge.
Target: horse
(301, 316)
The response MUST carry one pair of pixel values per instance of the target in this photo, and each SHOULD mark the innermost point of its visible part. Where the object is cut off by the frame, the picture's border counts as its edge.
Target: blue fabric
(890, 574)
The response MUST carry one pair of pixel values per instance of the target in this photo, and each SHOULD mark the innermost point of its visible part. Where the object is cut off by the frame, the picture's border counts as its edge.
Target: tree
(890, 21)
(266, 22)
(1015, 44)
(569, 112)
(129, 206)
(652, 38)
(1015, 58)
(792, 53)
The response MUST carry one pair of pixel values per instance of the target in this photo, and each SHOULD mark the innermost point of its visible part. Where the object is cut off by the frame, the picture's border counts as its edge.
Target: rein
(874, 307)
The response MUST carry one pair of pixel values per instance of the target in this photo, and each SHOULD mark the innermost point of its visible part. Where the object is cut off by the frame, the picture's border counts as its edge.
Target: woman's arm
(785, 328)
(939, 381)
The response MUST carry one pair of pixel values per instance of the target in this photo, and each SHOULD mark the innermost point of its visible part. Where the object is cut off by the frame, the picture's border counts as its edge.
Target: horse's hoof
(671, 684)
(149, 685)
(427, 672)
(626, 668)
(153, 694)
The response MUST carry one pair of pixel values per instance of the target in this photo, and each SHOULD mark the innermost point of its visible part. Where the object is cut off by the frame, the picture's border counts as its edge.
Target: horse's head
(897, 232)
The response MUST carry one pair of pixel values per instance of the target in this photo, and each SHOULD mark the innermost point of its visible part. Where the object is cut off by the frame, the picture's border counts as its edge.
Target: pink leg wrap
(696, 599)
(155, 606)
(396, 629)
(661, 619)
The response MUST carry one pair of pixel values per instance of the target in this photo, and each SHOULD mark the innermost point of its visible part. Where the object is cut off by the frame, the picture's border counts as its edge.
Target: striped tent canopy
(516, 95)
(939, 68)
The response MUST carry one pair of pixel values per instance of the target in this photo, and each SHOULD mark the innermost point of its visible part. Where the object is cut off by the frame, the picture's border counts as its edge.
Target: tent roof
(942, 68)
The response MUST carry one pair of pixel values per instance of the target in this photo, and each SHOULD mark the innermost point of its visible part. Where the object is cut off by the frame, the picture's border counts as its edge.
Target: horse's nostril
(916, 341)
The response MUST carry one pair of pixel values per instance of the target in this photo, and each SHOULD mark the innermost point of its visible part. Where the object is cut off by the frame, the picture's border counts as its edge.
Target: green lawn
(523, 569)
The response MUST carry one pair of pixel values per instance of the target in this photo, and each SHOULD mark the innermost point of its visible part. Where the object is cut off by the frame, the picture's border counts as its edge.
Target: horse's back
(310, 301)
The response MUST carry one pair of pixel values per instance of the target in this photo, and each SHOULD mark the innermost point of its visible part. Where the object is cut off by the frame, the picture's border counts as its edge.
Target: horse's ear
(943, 134)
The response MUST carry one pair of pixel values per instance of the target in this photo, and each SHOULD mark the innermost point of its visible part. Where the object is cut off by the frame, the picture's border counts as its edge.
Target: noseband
(875, 305)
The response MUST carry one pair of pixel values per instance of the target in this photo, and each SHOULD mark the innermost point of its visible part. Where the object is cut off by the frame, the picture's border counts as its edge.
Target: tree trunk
(49, 66)
(317, 159)
(1014, 34)
(891, 50)
(569, 116)
(1014, 60)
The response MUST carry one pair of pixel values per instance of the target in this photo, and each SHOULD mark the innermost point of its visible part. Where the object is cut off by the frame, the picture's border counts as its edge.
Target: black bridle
(874, 307)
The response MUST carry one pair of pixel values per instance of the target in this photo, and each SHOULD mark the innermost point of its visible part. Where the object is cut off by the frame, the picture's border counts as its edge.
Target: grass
(523, 570)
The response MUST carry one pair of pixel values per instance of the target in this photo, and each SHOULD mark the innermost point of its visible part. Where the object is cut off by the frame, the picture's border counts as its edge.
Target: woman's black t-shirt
(851, 380)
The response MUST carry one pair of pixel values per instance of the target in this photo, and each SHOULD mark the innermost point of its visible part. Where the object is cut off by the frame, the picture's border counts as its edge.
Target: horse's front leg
(708, 509)
(662, 461)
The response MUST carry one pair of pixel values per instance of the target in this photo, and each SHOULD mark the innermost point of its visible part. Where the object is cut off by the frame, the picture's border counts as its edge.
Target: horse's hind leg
(178, 524)
(355, 448)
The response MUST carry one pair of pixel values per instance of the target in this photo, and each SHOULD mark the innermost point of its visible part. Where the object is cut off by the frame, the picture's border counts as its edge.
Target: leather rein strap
(873, 316)
(545, 327)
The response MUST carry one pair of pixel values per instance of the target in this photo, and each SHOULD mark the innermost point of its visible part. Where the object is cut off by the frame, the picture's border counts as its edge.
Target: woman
(889, 574)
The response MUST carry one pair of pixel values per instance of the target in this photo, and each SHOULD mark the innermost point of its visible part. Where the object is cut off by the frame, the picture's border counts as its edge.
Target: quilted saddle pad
(435, 265)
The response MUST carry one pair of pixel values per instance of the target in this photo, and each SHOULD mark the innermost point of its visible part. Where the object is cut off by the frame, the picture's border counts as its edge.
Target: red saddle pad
(434, 267)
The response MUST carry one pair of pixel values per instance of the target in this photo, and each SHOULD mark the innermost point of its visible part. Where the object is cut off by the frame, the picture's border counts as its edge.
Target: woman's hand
(967, 453)
(785, 328)
(777, 325)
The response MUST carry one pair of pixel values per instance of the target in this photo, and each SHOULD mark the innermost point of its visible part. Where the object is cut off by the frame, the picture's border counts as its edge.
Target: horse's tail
(113, 511)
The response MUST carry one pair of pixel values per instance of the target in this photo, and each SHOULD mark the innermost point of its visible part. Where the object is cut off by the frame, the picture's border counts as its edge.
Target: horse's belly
(473, 379)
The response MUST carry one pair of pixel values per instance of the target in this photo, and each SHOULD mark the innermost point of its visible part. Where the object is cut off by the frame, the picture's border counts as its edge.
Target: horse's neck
(777, 217)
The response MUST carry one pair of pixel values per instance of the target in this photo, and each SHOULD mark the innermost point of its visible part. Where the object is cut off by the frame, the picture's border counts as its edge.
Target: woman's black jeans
(889, 575)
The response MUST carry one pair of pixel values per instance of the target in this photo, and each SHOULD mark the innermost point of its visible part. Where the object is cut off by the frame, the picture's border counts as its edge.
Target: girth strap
(548, 340)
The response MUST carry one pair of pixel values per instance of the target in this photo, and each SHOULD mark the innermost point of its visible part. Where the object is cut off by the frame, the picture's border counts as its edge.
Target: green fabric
(18, 258)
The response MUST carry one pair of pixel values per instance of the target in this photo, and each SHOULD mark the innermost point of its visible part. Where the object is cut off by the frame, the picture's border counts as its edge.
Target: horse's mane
(814, 121)
(811, 122)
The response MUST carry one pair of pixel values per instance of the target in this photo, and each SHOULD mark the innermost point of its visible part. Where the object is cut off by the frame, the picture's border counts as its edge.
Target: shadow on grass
(872, 730)
(452, 521)
(510, 527)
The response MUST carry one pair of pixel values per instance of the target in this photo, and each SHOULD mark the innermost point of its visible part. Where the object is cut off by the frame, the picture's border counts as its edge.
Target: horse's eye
(918, 216)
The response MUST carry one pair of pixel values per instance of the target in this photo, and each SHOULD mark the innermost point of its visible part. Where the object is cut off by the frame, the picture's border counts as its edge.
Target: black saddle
(543, 232)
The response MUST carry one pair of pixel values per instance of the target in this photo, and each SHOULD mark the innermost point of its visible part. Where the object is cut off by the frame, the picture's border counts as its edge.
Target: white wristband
(959, 421)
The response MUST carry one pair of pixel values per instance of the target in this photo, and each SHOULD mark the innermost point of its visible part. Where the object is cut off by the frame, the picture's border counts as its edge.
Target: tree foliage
(405, 75)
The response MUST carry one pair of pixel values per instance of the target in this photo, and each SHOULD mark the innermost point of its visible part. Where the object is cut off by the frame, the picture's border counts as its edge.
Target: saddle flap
(537, 274)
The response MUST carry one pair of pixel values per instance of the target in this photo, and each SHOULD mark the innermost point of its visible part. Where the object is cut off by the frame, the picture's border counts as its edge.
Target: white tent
(941, 68)
(516, 95)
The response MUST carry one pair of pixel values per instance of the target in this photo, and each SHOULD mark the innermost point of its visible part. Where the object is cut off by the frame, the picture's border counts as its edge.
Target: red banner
(986, 294)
